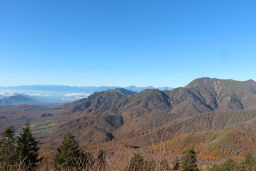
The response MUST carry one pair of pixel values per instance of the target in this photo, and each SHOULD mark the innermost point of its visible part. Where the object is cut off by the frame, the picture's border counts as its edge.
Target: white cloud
(76, 94)
(38, 94)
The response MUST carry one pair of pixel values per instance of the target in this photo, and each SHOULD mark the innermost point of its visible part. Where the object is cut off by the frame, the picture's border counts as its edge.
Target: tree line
(22, 153)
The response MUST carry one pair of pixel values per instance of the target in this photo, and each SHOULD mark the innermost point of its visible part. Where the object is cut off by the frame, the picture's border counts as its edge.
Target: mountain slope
(225, 94)
(215, 136)
(97, 115)
(101, 101)
(123, 114)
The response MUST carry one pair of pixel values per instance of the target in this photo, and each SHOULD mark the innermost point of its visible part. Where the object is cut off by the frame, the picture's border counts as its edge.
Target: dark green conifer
(190, 161)
(70, 155)
(27, 149)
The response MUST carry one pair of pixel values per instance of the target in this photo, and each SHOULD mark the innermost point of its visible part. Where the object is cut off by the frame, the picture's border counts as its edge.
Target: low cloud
(76, 94)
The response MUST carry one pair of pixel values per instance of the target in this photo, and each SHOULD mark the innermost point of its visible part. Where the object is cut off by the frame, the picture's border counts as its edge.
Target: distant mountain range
(61, 94)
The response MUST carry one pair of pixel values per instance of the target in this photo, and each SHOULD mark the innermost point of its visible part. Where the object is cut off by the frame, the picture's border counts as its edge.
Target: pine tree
(27, 149)
(7, 150)
(190, 161)
(69, 155)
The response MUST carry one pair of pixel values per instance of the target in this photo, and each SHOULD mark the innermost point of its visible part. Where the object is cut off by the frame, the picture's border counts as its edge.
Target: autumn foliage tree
(7, 150)
(136, 163)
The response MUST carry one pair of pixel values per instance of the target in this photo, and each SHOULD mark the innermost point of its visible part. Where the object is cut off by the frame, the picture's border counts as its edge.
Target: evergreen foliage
(190, 161)
(27, 149)
(70, 155)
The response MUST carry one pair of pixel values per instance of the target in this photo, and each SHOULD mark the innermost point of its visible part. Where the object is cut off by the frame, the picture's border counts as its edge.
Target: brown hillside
(121, 114)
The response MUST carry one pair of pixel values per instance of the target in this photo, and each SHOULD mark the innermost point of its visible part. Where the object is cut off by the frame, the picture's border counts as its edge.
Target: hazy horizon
(124, 86)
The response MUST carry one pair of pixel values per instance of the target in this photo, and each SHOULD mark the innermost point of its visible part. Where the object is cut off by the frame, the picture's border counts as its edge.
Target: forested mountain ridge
(122, 113)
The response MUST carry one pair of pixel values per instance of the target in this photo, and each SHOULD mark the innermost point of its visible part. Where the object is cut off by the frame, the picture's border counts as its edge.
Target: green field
(46, 126)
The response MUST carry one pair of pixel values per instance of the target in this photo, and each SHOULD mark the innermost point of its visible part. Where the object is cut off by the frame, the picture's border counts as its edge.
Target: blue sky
(126, 42)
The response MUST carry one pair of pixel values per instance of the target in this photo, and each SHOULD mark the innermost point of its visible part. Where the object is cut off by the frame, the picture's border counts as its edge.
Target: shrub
(101, 163)
(136, 163)
(176, 164)
(249, 164)
(229, 165)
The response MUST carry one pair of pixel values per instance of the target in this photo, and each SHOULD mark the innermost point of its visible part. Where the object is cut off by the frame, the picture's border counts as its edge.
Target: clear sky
(126, 42)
